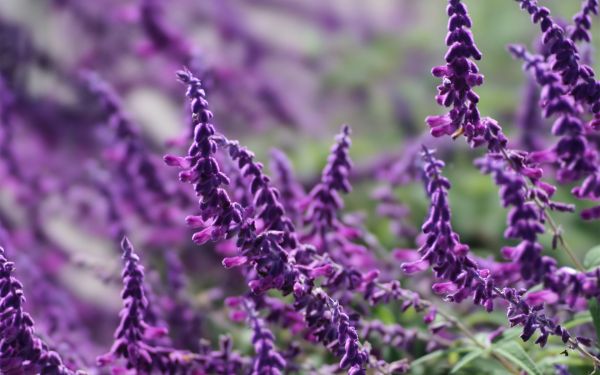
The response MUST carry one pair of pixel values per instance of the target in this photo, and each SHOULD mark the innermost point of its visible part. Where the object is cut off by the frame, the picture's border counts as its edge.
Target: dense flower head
(582, 21)
(459, 76)
(135, 339)
(21, 351)
(291, 190)
(324, 202)
(442, 249)
(575, 156)
(218, 214)
(564, 57)
(525, 219)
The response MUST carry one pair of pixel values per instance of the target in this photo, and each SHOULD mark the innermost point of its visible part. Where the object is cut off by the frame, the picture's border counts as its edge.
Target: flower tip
(176, 161)
(324, 270)
(126, 244)
(591, 213)
(414, 267)
(234, 261)
(183, 75)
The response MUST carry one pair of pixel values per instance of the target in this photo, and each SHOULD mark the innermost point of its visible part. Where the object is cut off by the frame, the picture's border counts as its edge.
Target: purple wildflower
(525, 219)
(575, 156)
(20, 350)
(459, 76)
(133, 337)
(266, 360)
(266, 197)
(219, 216)
(442, 248)
(324, 201)
(582, 21)
(291, 191)
(264, 250)
(564, 58)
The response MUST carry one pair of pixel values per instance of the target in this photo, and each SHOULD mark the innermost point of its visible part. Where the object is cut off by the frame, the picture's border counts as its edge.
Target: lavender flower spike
(21, 352)
(442, 248)
(291, 191)
(460, 75)
(218, 213)
(580, 30)
(133, 336)
(267, 360)
(325, 201)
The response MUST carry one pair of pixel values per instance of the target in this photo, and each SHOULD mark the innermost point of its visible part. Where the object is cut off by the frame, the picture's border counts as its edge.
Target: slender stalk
(458, 324)
(423, 304)
(556, 231)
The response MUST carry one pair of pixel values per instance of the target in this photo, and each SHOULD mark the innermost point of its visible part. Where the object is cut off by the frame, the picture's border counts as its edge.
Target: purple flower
(134, 337)
(578, 78)
(21, 351)
(442, 248)
(582, 21)
(575, 156)
(266, 197)
(525, 219)
(264, 249)
(266, 359)
(324, 201)
(291, 191)
(200, 168)
(459, 76)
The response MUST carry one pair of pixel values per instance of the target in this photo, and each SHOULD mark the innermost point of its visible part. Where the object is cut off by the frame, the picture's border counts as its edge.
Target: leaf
(470, 357)
(428, 357)
(592, 258)
(515, 353)
(579, 319)
(594, 308)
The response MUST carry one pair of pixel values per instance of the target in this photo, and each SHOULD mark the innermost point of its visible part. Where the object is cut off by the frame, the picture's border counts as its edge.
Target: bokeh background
(280, 73)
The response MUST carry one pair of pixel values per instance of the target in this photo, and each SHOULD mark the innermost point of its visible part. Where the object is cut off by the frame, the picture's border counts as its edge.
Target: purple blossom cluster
(238, 272)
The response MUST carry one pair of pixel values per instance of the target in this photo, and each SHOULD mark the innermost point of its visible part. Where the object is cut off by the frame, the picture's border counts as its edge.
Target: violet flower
(133, 337)
(324, 202)
(264, 250)
(525, 219)
(291, 191)
(21, 351)
(266, 359)
(442, 248)
(582, 22)
(575, 157)
(266, 197)
(219, 216)
(459, 76)
(578, 78)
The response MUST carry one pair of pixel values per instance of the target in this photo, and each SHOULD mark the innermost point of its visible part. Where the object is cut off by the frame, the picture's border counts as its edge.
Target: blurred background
(279, 74)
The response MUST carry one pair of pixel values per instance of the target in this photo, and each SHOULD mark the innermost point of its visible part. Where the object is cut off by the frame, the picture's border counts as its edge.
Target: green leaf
(592, 258)
(595, 312)
(513, 352)
(578, 319)
(470, 357)
(428, 357)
